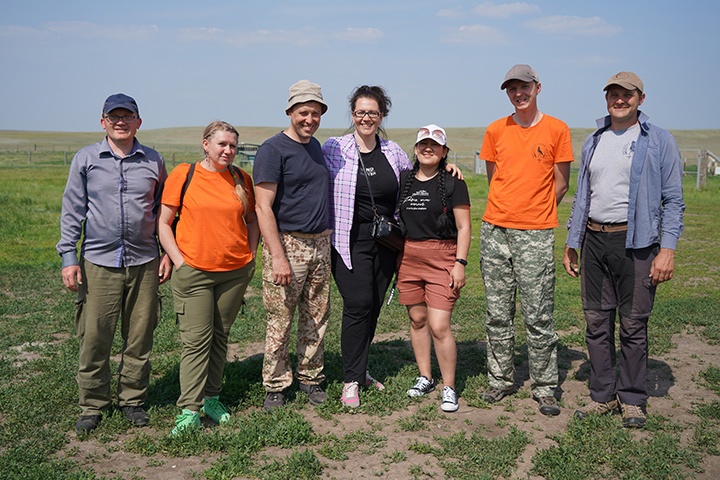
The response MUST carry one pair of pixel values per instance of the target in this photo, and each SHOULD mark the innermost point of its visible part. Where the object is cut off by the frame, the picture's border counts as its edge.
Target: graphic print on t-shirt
(417, 201)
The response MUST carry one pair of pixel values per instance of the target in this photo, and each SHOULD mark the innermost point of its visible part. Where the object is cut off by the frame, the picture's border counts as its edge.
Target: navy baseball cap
(120, 100)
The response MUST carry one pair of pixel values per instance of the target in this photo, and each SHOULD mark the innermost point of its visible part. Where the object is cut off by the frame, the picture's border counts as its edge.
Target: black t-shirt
(301, 202)
(423, 204)
(384, 186)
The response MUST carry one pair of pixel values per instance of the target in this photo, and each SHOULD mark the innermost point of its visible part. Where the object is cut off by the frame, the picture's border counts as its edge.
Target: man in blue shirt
(626, 218)
(111, 200)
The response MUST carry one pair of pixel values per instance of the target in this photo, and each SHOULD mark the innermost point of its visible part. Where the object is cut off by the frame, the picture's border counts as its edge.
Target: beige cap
(626, 80)
(305, 91)
(520, 72)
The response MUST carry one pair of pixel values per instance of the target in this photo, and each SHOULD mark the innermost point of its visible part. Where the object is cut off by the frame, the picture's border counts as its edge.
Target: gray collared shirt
(112, 202)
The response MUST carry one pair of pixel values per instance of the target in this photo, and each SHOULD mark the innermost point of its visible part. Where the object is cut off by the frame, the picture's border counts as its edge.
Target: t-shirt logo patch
(539, 151)
(629, 149)
(370, 171)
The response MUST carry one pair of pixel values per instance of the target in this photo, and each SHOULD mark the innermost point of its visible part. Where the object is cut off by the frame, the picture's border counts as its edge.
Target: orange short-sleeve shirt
(211, 234)
(522, 189)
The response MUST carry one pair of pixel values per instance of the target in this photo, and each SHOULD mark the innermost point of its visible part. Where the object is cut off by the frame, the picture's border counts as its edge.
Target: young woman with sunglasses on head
(213, 252)
(435, 211)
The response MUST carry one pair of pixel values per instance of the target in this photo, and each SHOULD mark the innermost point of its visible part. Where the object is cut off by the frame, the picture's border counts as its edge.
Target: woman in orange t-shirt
(213, 252)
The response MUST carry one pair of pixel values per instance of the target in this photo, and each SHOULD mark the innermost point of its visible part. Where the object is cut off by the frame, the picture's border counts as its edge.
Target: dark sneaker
(596, 408)
(549, 406)
(314, 392)
(87, 423)
(423, 386)
(632, 416)
(136, 414)
(273, 400)
(449, 400)
(495, 394)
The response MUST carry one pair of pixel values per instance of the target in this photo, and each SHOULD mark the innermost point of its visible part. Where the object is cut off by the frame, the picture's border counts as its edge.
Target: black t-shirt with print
(384, 186)
(423, 204)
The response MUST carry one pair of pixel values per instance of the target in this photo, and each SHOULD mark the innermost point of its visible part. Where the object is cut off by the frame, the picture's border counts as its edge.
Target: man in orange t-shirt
(528, 156)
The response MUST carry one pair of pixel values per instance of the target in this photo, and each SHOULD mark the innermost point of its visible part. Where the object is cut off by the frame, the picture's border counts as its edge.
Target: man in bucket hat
(291, 182)
(528, 157)
(626, 218)
(111, 200)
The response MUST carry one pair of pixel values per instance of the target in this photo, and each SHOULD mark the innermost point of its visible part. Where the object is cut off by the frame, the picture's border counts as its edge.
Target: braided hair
(445, 223)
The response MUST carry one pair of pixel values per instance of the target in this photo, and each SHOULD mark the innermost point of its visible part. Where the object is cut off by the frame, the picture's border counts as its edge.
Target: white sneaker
(350, 395)
(422, 386)
(449, 400)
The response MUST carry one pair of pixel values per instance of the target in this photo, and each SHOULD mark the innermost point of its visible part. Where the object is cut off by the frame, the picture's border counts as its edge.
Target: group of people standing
(315, 206)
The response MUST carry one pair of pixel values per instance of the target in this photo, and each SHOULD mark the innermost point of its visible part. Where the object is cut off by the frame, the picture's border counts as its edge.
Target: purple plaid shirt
(341, 158)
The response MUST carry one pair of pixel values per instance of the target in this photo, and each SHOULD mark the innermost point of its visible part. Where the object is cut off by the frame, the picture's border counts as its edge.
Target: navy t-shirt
(423, 204)
(302, 199)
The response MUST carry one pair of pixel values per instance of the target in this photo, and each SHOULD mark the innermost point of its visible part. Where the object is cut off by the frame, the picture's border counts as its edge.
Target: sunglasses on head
(436, 135)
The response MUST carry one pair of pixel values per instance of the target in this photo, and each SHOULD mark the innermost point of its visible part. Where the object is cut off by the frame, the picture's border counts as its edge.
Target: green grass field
(38, 361)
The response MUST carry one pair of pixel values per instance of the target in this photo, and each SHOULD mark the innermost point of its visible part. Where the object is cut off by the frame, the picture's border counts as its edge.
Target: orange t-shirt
(522, 189)
(211, 234)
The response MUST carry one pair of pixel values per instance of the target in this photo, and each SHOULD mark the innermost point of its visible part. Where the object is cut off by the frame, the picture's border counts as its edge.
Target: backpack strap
(185, 185)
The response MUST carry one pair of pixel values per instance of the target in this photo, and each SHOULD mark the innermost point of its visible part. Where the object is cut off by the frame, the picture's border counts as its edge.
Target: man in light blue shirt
(111, 201)
(626, 218)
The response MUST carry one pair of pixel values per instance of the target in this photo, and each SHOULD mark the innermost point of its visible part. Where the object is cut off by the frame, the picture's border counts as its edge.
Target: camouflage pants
(520, 260)
(309, 259)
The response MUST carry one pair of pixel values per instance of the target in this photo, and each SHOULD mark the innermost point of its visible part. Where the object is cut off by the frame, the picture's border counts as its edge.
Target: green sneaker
(214, 409)
(186, 420)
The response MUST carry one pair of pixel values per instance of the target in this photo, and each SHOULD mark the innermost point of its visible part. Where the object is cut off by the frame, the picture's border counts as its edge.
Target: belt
(606, 227)
(310, 235)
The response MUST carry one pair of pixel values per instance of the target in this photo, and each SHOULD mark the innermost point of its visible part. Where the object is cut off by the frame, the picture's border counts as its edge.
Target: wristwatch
(461, 261)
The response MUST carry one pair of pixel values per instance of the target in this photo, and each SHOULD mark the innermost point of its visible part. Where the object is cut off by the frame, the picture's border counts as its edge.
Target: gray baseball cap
(520, 72)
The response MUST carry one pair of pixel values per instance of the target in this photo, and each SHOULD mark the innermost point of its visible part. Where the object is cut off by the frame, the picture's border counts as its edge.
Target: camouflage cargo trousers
(520, 261)
(309, 292)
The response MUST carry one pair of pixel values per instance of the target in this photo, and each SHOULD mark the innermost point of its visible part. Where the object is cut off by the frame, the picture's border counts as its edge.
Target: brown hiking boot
(596, 408)
(633, 416)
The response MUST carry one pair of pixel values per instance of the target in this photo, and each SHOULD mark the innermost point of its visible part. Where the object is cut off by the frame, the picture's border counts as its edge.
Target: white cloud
(200, 34)
(360, 35)
(502, 10)
(101, 31)
(450, 13)
(84, 30)
(588, 60)
(570, 25)
(476, 35)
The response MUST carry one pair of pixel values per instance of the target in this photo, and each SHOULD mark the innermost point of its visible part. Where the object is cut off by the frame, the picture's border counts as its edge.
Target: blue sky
(190, 62)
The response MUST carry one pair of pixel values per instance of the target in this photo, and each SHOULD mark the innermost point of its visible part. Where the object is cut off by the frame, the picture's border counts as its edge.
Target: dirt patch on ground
(673, 385)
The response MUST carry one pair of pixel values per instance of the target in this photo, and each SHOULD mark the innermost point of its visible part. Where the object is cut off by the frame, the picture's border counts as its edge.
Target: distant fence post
(702, 169)
(30, 156)
(65, 161)
(173, 160)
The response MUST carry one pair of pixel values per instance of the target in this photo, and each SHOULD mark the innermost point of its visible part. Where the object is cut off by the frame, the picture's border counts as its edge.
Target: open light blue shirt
(112, 203)
(656, 206)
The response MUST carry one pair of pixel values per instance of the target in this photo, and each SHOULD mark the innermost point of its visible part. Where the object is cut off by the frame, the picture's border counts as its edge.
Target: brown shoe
(633, 416)
(596, 408)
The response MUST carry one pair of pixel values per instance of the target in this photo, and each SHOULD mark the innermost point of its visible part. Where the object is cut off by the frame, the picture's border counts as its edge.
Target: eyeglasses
(370, 113)
(117, 118)
(436, 135)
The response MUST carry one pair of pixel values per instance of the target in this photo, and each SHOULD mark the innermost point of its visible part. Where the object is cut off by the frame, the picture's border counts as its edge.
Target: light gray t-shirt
(610, 175)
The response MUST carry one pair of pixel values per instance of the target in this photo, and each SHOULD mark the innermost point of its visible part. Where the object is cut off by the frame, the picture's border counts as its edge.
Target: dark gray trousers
(616, 279)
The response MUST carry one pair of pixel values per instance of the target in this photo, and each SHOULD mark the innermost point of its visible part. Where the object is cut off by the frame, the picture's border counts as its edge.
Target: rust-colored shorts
(424, 275)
